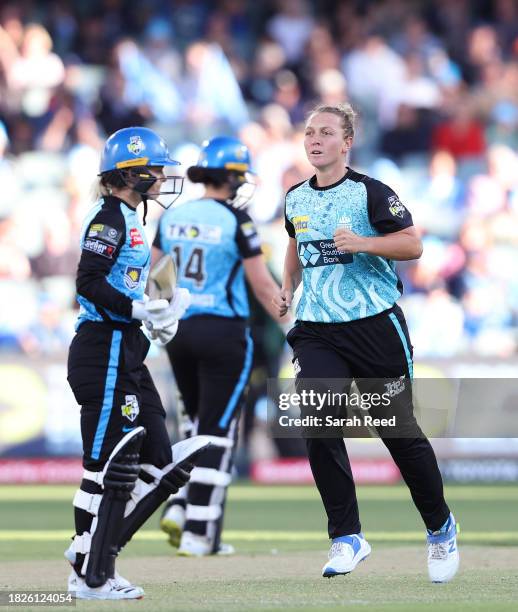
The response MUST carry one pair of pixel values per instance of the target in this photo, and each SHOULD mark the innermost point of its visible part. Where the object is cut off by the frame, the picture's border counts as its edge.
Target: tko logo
(199, 231)
(135, 237)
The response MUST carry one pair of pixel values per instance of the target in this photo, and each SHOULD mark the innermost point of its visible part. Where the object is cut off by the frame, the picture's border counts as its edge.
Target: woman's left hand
(347, 241)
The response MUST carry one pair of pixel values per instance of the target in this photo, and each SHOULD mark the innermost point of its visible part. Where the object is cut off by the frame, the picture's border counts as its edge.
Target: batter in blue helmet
(129, 465)
(216, 246)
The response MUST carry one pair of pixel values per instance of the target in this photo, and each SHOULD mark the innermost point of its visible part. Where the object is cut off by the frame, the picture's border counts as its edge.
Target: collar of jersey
(111, 200)
(313, 180)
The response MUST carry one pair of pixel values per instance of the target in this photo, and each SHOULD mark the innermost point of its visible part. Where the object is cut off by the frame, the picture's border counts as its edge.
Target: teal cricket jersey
(209, 239)
(339, 287)
(114, 264)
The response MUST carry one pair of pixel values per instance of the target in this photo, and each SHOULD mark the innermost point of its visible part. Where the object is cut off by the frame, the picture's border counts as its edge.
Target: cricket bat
(162, 279)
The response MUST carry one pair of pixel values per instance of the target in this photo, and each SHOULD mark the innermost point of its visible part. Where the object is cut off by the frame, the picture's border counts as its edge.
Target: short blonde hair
(344, 111)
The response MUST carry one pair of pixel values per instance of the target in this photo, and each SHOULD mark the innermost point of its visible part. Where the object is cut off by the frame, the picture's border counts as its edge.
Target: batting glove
(160, 314)
(162, 336)
(180, 302)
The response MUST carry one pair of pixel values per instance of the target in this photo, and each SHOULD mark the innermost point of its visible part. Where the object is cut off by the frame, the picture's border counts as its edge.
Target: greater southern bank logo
(308, 254)
(313, 253)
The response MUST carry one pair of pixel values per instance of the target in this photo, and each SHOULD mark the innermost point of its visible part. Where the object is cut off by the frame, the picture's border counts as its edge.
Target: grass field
(280, 535)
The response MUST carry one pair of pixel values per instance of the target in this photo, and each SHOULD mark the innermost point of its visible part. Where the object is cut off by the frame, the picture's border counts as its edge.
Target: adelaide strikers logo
(136, 146)
(395, 207)
(240, 153)
(130, 409)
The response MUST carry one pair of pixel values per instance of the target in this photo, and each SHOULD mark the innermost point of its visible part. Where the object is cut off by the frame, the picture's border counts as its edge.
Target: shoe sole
(446, 580)
(226, 552)
(90, 596)
(333, 574)
(173, 531)
(329, 575)
(186, 553)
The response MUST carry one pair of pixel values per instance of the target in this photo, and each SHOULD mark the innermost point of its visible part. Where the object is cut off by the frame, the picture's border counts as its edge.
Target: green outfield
(280, 535)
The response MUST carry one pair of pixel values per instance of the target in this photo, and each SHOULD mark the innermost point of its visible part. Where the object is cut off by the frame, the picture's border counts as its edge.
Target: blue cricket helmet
(225, 153)
(135, 146)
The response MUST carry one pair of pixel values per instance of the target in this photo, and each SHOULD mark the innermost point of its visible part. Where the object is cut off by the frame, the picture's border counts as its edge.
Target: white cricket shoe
(114, 588)
(443, 553)
(194, 545)
(345, 554)
(74, 579)
(172, 522)
(225, 550)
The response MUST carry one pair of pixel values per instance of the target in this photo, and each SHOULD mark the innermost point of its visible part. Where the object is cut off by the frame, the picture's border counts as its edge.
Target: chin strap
(144, 199)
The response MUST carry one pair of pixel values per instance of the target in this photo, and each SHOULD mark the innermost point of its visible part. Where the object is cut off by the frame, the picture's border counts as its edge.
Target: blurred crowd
(435, 84)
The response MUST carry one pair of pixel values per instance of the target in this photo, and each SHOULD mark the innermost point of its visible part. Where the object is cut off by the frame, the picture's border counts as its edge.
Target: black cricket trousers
(376, 347)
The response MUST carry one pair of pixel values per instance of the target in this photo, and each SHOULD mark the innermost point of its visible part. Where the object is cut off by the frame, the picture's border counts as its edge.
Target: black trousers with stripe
(114, 388)
(376, 347)
(212, 359)
(116, 392)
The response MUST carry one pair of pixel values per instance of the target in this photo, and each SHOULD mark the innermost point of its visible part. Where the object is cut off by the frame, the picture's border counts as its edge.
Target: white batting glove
(166, 335)
(149, 331)
(160, 314)
(180, 302)
(160, 337)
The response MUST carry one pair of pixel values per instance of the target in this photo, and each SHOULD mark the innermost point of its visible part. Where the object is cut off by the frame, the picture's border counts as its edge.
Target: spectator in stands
(75, 70)
(462, 134)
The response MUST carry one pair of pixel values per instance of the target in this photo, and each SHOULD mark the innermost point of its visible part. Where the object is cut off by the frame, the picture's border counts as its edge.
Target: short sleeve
(157, 240)
(247, 238)
(387, 214)
(289, 225)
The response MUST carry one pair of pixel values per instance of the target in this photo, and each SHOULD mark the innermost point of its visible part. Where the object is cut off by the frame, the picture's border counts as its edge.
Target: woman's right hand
(282, 301)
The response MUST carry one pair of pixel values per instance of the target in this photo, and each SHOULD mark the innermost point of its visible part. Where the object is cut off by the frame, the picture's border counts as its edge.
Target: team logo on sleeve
(135, 145)
(301, 224)
(130, 410)
(251, 235)
(105, 233)
(135, 237)
(395, 207)
(132, 276)
(248, 229)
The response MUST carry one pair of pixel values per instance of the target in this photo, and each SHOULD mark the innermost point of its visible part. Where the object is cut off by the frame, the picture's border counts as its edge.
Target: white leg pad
(96, 477)
(81, 543)
(87, 501)
(210, 476)
(203, 513)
